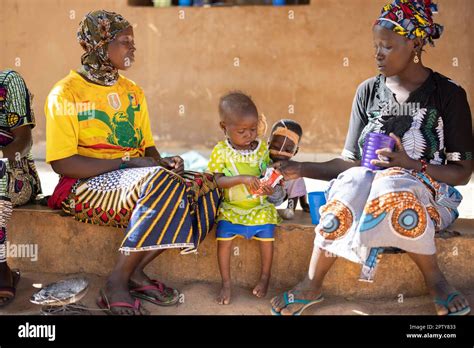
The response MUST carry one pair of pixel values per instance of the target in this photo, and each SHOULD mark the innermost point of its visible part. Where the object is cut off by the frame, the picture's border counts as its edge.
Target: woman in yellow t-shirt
(99, 140)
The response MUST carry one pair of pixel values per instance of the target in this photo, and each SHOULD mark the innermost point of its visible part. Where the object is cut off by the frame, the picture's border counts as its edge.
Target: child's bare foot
(224, 295)
(261, 288)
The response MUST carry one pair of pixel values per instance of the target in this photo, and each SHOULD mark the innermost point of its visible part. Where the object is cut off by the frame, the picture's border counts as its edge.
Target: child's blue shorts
(227, 231)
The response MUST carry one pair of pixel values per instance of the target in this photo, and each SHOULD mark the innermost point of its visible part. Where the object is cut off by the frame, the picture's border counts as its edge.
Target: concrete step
(199, 299)
(66, 246)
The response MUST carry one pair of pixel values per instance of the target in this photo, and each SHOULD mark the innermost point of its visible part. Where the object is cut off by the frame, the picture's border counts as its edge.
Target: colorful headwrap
(412, 19)
(96, 31)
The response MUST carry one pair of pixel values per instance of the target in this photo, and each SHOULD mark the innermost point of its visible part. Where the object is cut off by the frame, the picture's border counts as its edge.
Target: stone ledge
(68, 246)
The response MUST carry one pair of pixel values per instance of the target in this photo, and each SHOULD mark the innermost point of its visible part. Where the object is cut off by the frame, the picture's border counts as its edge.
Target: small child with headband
(238, 162)
(284, 144)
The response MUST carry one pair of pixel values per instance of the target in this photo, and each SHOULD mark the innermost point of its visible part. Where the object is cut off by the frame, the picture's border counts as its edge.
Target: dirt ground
(199, 299)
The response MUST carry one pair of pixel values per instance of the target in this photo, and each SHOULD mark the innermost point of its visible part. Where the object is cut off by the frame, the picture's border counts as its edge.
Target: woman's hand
(252, 182)
(289, 169)
(395, 158)
(175, 164)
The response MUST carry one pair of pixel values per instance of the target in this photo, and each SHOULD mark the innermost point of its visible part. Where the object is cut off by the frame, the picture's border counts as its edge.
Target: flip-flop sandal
(167, 289)
(9, 292)
(307, 303)
(445, 304)
(172, 295)
(103, 303)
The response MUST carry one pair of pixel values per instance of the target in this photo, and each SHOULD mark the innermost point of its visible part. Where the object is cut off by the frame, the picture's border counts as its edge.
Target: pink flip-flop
(103, 303)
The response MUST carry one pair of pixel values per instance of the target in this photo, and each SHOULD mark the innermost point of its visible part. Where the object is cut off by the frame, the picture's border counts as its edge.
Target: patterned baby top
(238, 206)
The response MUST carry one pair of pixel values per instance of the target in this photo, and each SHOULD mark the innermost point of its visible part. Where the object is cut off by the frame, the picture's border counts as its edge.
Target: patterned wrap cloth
(160, 209)
(96, 31)
(368, 210)
(412, 19)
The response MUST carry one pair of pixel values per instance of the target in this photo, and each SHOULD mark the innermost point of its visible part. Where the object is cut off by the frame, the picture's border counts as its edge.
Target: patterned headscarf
(96, 31)
(412, 19)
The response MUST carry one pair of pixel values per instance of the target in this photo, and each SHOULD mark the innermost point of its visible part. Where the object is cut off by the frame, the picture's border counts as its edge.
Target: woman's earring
(416, 60)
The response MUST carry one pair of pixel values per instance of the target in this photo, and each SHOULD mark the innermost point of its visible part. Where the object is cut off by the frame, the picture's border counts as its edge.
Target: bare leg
(310, 288)
(223, 257)
(116, 288)
(139, 279)
(304, 203)
(138, 275)
(437, 284)
(266, 256)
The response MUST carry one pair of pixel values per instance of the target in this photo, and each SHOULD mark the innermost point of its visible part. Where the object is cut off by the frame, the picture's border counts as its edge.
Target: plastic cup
(316, 200)
(374, 142)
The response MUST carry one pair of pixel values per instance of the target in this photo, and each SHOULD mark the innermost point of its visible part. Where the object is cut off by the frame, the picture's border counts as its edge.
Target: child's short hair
(236, 102)
(290, 124)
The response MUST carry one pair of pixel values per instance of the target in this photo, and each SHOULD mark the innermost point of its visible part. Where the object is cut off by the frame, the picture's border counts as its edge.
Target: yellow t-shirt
(90, 120)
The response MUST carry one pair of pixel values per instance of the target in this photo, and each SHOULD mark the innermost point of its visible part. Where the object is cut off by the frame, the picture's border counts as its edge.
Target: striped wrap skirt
(158, 208)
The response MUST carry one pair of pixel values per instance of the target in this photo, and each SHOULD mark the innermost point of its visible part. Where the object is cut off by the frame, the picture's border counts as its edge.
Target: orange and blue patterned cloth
(368, 211)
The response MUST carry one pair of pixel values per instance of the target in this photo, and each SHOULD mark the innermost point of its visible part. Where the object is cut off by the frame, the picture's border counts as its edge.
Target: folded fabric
(62, 190)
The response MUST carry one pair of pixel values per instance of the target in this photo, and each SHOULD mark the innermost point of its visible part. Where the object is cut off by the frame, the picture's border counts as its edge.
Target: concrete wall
(190, 61)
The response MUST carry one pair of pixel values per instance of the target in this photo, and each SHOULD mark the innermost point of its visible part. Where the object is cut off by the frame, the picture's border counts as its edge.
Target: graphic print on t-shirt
(122, 130)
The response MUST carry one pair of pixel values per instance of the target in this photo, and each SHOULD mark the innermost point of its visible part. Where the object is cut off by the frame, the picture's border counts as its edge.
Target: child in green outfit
(238, 162)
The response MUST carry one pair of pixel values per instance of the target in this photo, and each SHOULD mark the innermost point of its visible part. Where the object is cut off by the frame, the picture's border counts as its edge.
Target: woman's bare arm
(315, 170)
(80, 167)
(21, 145)
(454, 173)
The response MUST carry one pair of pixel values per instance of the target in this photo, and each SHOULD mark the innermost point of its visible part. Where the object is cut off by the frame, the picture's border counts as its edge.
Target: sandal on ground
(9, 292)
(447, 302)
(169, 295)
(306, 303)
(103, 303)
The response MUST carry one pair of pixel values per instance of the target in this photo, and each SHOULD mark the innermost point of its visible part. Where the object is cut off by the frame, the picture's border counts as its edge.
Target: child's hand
(252, 182)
